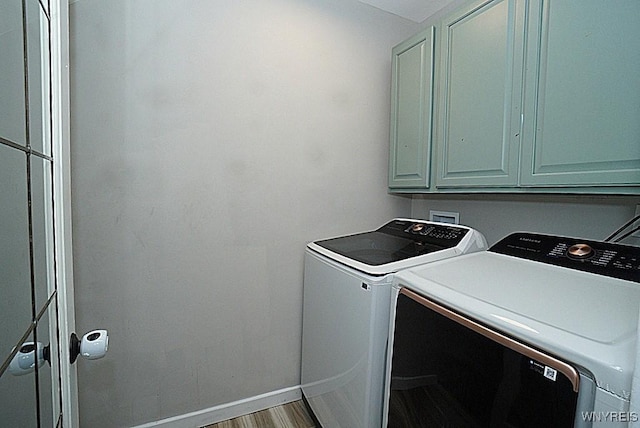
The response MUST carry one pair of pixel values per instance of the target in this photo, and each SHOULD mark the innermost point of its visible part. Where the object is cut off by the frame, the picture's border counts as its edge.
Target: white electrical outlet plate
(444, 216)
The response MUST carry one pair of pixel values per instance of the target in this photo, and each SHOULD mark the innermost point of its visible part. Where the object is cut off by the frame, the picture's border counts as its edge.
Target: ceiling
(415, 10)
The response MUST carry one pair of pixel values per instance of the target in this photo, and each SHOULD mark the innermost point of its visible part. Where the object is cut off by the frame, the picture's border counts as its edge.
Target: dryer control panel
(602, 258)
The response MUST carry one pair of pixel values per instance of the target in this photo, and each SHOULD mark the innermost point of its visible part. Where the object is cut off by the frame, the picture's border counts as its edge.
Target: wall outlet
(444, 217)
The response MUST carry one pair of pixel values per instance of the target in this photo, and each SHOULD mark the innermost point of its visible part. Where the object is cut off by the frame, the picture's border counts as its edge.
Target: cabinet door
(479, 129)
(582, 110)
(411, 111)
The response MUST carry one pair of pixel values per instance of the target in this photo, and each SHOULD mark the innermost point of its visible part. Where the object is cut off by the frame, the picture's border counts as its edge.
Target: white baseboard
(226, 411)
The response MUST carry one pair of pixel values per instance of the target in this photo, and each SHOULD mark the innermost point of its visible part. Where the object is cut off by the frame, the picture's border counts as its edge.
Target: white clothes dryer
(538, 331)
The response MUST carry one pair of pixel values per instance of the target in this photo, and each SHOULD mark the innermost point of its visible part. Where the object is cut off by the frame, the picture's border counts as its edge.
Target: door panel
(12, 107)
(48, 396)
(18, 394)
(38, 56)
(582, 127)
(15, 283)
(31, 250)
(42, 237)
(480, 110)
(448, 370)
(412, 111)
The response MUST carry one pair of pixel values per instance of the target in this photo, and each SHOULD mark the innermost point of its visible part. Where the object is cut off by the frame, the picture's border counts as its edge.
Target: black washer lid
(395, 241)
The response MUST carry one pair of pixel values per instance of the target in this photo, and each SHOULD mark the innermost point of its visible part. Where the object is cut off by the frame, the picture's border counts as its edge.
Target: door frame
(60, 135)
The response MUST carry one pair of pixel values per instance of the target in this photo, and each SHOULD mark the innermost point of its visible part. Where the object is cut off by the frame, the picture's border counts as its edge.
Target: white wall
(210, 142)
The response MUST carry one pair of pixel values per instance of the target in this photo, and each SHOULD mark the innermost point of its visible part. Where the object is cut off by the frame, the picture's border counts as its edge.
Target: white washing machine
(347, 288)
(538, 331)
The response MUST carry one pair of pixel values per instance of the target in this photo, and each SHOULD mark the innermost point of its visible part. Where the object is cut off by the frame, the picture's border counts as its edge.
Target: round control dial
(580, 251)
(417, 227)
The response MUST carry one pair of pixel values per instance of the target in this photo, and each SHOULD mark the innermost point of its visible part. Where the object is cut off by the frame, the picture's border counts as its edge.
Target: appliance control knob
(580, 251)
(417, 227)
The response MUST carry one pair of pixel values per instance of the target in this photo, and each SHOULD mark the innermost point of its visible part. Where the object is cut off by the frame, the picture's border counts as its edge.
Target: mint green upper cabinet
(411, 112)
(582, 97)
(523, 96)
(480, 106)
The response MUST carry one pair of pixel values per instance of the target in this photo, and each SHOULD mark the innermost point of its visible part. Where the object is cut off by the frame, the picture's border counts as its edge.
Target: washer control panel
(426, 232)
(603, 258)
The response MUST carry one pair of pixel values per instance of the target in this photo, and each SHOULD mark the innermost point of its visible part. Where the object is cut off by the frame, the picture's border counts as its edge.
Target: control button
(426, 231)
(558, 251)
(627, 263)
(580, 251)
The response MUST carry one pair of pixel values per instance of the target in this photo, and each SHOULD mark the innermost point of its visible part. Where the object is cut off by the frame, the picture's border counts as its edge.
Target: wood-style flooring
(291, 415)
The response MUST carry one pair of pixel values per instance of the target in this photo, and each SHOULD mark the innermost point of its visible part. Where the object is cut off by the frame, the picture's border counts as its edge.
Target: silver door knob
(92, 346)
(28, 357)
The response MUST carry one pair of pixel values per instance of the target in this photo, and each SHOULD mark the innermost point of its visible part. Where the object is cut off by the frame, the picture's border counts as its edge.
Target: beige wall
(210, 141)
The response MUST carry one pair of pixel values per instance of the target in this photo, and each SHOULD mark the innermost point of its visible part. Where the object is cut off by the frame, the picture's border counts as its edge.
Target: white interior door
(37, 383)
